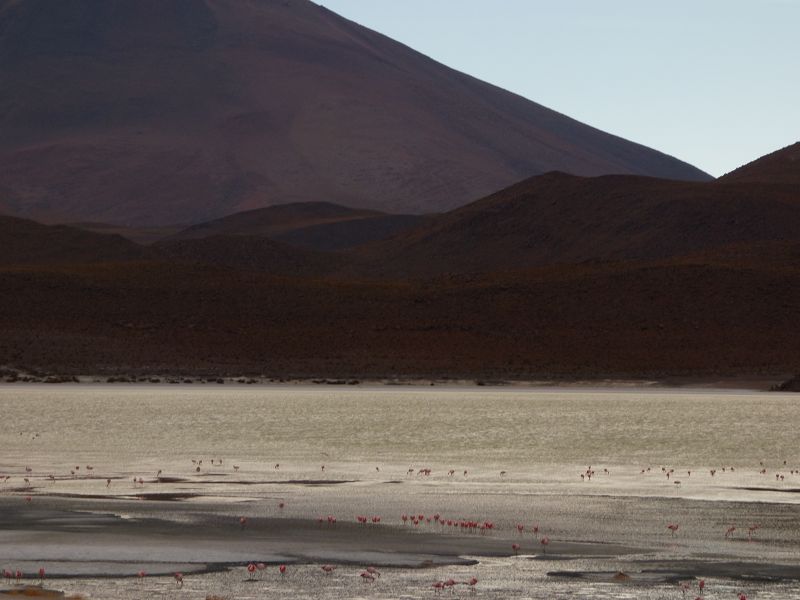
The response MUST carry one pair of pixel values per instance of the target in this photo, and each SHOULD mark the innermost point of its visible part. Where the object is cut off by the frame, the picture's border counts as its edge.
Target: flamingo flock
(369, 574)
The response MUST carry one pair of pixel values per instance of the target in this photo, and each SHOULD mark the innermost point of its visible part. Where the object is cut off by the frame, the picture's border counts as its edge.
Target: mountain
(155, 112)
(563, 219)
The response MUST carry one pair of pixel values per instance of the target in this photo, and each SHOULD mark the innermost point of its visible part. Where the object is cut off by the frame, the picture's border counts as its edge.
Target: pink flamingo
(282, 569)
(673, 527)
(473, 581)
(251, 570)
(750, 531)
(702, 585)
(438, 586)
(729, 531)
(328, 569)
(373, 571)
(41, 574)
(515, 548)
(179, 579)
(242, 522)
(544, 542)
(367, 578)
(141, 574)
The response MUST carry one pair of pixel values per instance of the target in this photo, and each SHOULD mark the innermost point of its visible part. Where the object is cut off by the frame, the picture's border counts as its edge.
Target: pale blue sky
(713, 82)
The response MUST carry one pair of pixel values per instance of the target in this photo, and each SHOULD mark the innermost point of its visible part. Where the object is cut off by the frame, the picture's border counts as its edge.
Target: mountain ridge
(145, 112)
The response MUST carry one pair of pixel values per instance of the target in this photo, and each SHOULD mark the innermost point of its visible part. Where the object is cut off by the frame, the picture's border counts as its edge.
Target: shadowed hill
(560, 219)
(314, 225)
(779, 167)
(275, 220)
(25, 242)
(695, 316)
(154, 112)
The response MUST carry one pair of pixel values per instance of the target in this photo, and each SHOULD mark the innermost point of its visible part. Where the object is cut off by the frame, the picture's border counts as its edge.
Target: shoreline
(730, 384)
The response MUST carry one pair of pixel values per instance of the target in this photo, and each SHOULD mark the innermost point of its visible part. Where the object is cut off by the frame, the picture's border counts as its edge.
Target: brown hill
(779, 167)
(275, 220)
(177, 111)
(695, 316)
(346, 235)
(563, 219)
(140, 235)
(25, 242)
(314, 225)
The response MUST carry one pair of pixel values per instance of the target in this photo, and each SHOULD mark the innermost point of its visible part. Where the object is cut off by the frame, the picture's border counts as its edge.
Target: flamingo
(729, 531)
(673, 527)
(328, 569)
(41, 574)
(373, 571)
(515, 548)
(473, 581)
(702, 585)
(544, 542)
(141, 574)
(242, 521)
(750, 531)
(438, 586)
(251, 570)
(179, 579)
(282, 569)
(367, 577)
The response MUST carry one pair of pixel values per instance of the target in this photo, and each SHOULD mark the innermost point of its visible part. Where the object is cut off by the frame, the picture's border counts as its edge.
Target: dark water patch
(621, 577)
(738, 570)
(300, 482)
(770, 489)
(167, 496)
(321, 481)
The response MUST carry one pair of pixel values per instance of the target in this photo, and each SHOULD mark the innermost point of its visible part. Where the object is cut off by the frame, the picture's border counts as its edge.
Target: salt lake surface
(516, 456)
